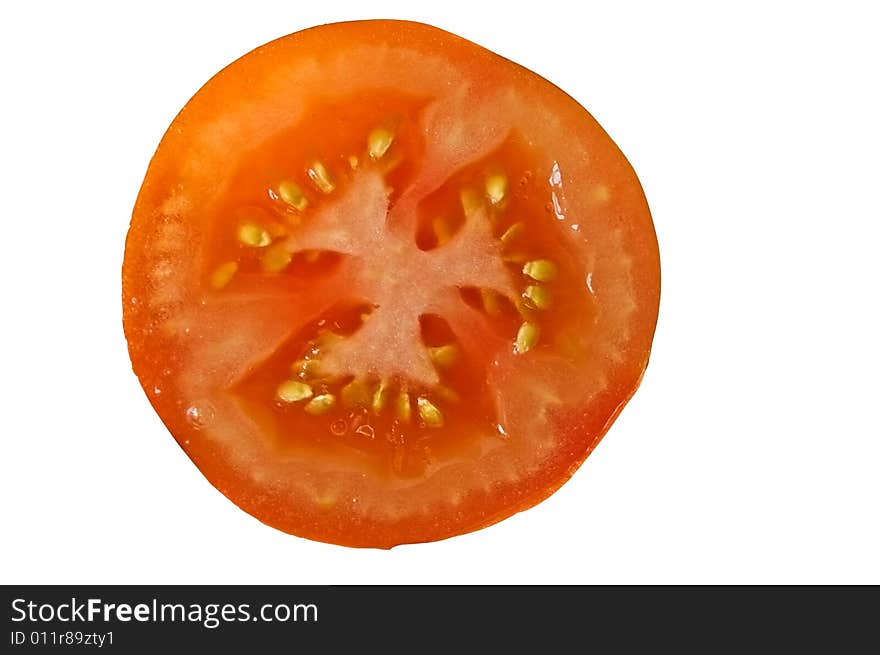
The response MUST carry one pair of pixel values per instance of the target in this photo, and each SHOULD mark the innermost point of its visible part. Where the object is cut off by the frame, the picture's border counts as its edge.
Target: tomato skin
(183, 181)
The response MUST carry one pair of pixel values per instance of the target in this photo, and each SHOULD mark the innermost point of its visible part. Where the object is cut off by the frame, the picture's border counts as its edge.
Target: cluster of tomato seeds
(358, 397)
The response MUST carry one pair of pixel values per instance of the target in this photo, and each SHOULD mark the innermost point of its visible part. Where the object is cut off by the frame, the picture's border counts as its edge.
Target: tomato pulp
(384, 286)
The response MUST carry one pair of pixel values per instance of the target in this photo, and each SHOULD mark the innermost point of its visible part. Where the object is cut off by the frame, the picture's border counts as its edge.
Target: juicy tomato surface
(384, 286)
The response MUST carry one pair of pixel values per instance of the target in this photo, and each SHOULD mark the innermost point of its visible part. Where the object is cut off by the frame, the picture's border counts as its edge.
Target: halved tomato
(385, 286)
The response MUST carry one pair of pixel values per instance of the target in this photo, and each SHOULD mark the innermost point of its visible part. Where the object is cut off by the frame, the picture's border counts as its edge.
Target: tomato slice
(384, 286)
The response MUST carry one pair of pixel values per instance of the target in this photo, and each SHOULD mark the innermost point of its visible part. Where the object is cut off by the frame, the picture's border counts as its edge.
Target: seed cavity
(542, 270)
(292, 194)
(293, 391)
(443, 356)
(253, 236)
(402, 407)
(537, 296)
(223, 274)
(378, 142)
(321, 178)
(496, 188)
(320, 404)
(526, 337)
(429, 413)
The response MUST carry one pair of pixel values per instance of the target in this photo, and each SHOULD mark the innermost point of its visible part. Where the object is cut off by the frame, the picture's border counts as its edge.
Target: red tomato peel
(384, 286)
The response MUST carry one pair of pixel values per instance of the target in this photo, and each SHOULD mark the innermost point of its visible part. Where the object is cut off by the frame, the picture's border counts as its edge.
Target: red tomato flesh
(387, 290)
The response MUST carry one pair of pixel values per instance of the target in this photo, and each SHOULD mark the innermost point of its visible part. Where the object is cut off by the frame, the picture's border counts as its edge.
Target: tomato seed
(223, 274)
(355, 393)
(320, 178)
(429, 413)
(380, 397)
(403, 407)
(514, 257)
(276, 258)
(496, 188)
(328, 338)
(443, 356)
(293, 391)
(513, 232)
(253, 236)
(490, 302)
(447, 394)
(526, 337)
(292, 194)
(542, 270)
(306, 368)
(470, 202)
(321, 404)
(378, 142)
(537, 296)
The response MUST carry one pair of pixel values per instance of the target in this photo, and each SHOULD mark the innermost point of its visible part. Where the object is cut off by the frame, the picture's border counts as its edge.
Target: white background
(749, 455)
